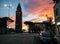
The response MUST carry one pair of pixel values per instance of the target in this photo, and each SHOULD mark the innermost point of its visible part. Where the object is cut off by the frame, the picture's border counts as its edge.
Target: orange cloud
(45, 10)
(13, 17)
(40, 7)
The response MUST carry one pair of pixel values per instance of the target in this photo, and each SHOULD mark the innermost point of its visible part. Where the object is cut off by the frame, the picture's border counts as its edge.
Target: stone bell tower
(18, 23)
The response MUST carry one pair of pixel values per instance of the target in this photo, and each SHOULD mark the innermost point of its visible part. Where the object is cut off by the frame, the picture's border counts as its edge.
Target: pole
(9, 6)
(8, 19)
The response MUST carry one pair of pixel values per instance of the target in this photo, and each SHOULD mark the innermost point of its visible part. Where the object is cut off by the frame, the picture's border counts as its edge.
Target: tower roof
(19, 6)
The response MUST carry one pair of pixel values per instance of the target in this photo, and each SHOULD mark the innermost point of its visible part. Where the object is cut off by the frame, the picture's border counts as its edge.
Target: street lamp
(8, 6)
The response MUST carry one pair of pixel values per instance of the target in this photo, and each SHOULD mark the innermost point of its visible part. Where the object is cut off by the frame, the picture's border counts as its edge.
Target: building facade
(39, 26)
(57, 17)
(35, 27)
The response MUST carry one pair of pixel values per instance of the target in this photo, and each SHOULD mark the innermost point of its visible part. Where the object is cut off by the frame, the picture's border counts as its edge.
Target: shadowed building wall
(18, 19)
(35, 27)
(57, 17)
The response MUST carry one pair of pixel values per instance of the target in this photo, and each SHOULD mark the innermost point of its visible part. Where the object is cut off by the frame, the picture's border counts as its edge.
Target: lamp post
(8, 6)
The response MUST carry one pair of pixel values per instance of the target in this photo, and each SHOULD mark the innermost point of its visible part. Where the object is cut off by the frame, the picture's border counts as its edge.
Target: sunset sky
(33, 10)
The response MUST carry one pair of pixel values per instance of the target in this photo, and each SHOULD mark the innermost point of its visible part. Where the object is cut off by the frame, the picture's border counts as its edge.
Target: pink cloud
(37, 7)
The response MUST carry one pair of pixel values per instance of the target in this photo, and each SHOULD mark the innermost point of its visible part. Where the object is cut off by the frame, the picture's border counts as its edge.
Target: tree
(3, 23)
(4, 20)
(56, 1)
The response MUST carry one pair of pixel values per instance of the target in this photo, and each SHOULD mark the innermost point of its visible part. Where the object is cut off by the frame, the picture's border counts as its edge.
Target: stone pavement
(19, 38)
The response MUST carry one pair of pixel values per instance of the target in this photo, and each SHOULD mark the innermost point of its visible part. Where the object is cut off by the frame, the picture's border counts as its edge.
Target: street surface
(21, 38)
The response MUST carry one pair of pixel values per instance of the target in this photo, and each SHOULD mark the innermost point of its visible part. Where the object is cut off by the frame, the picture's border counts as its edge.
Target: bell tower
(18, 23)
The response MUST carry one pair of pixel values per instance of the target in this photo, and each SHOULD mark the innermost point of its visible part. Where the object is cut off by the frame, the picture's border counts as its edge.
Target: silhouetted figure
(18, 25)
